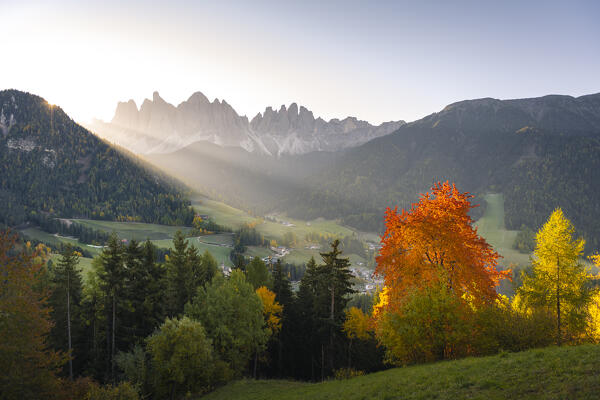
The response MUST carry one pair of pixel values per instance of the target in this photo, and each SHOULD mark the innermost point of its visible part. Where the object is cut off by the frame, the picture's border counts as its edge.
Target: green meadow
(569, 372)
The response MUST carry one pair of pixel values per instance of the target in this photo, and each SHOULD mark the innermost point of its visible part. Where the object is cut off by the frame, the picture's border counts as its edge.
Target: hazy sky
(376, 60)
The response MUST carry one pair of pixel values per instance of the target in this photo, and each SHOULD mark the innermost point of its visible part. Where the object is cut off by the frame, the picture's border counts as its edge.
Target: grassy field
(550, 373)
(232, 217)
(133, 230)
(491, 227)
(219, 252)
(229, 216)
(49, 238)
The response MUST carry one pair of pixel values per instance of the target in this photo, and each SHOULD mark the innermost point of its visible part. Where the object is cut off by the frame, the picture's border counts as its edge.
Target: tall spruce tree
(306, 348)
(180, 277)
(334, 286)
(143, 290)
(65, 302)
(112, 277)
(284, 296)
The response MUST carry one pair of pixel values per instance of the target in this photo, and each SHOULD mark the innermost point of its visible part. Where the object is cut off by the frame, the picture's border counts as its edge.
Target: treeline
(150, 329)
(69, 228)
(204, 226)
(157, 330)
(247, 235)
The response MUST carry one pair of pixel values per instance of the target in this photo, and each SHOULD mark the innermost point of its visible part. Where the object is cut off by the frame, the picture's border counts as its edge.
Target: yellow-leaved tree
(272, 311)
(557, 282)
(357, 325)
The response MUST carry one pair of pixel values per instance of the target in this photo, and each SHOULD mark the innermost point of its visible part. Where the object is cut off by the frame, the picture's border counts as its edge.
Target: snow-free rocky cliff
(160, 127)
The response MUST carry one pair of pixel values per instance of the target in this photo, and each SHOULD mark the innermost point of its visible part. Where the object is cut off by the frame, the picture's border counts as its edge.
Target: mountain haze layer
(160, 127)
(540, 153)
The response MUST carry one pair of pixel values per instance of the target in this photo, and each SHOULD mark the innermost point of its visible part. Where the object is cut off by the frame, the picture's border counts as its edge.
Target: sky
(376, 60)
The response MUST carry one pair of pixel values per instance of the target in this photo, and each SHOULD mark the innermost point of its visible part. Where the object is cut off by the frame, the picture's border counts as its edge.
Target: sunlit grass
(550, 373)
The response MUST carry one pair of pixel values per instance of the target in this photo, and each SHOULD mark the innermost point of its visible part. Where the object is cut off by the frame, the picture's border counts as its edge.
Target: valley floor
(551, 373)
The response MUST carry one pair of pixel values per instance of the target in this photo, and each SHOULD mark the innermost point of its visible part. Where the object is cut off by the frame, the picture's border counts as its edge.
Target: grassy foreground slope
(550, 373)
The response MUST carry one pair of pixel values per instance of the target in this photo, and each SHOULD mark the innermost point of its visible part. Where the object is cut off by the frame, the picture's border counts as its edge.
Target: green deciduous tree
(182, 358)
(231, 313)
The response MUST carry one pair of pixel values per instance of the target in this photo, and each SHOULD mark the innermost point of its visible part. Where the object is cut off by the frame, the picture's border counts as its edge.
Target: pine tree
(308, 344)
(334, 276)
(137, 287)
(65, 301)
(178, 276)
(558, 281)
(112, 276)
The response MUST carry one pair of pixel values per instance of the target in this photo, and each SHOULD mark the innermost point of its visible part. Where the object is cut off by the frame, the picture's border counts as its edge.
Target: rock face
(160, 127)
(296, 131)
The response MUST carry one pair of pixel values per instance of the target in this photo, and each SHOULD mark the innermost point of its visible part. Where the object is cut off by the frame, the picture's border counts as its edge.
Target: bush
(347, 373)
(123, 391)
(182, 358)
(433, 324)
(503, 327)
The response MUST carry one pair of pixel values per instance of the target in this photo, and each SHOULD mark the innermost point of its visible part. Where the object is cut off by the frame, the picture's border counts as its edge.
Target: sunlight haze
(397, 61)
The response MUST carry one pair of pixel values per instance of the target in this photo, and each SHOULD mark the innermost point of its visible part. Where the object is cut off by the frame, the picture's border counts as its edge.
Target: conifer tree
(112, 277)
(334, 287)
(257, 274)
(65, 301)
(180, 277)
(558, 281)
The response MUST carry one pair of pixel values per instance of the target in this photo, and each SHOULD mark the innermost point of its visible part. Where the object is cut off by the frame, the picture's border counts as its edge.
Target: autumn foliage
(28, 369)
(434, 243)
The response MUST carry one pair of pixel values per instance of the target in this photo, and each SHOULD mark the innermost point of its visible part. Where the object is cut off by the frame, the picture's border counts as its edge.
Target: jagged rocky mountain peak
(159, 127)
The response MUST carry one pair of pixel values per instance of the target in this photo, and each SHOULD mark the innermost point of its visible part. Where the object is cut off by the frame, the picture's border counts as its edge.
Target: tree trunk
(322, 362)
(279, 356)
(255, 362)
(350, 354)
(558, 333)
(332, 318)
(69, 328)
(172, 390)
(112, 352)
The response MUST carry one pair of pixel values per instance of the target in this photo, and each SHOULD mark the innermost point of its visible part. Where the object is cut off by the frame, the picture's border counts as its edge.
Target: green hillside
(550, 373)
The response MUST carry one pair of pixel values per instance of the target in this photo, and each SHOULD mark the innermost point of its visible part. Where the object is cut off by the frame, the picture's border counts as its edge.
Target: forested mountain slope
(50, 164)
(541, 153)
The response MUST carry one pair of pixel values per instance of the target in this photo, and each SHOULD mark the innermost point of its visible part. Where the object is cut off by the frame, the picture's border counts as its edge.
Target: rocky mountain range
(160, 127)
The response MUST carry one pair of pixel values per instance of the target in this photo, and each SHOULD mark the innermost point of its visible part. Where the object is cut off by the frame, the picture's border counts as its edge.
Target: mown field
(133, 230)
(38, 234)
(491, 227)
(550, 373)
(220, 249)
(232, 217)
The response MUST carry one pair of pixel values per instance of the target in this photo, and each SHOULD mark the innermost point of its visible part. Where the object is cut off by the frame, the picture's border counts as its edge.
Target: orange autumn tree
(437, 271)
(435, 243)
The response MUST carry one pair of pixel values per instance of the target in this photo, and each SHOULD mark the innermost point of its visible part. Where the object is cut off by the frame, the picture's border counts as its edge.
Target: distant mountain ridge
(540, 153)
(160, 127)
(51, 165)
